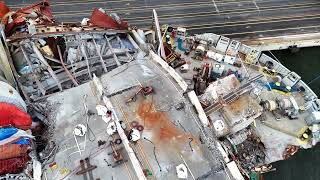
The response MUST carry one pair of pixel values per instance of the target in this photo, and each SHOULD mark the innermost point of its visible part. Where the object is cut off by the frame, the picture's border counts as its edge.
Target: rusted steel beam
(123, 47)
(41, 58)
(52, 59)
(65, 68)
(111, 50)
(39, 84)
(99, 54)
(64, 32)
(84, 53)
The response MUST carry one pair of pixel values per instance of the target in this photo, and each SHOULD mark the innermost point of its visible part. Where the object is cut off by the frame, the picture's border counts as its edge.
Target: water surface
(305, 165)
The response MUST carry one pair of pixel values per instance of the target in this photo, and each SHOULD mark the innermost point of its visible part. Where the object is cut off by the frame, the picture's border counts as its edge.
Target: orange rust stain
(238, 105)
(162, 128)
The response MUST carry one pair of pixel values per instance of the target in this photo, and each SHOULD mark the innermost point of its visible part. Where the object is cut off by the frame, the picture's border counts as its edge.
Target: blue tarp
(7, 132)
(23, 141)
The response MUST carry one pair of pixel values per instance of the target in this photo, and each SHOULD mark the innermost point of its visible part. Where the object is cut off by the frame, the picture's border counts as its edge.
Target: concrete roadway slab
(169, 130)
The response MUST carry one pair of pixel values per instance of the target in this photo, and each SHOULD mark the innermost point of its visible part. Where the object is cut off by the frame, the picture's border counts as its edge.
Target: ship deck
(174, 133)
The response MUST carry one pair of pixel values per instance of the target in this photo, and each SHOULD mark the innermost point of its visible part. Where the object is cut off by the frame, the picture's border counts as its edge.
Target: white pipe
(161, 43)
(137, 37)
(156, 22)
(185, 163)
(75, 138)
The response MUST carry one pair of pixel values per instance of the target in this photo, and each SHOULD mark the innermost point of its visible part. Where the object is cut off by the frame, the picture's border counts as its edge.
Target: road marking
(255, 3)
(192, 15)
(176, 16)
(271, 30)
(205, 26)
(215, 5)
(179, 5)
(143, 8)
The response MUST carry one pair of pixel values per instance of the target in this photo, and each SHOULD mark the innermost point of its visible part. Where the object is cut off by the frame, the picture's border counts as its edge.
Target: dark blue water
(304, 165)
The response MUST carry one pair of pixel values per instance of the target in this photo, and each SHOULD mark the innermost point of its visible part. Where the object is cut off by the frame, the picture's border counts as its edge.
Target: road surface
(233, 18)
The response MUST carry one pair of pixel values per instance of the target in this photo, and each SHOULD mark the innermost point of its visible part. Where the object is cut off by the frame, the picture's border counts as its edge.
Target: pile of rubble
(251, 153)
(47, 57)
(38, 18)
(52, 64)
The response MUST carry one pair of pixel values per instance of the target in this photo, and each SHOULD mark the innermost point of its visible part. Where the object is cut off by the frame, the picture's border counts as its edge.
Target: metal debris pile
(24, 20)
(251, 153)
(38, 18)
(45, 58)
(221, 77)
(52, 64)
(228, 77)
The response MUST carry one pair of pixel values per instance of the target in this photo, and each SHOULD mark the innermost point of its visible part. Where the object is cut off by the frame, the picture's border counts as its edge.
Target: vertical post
(39, 84)
(41, 58)
(65, 68)
(99, 54)
(84, 53)
(158, 30)
(123, 47)
(111, 49)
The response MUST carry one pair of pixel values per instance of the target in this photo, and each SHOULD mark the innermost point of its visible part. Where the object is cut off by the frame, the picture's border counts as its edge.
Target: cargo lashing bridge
(232, 96)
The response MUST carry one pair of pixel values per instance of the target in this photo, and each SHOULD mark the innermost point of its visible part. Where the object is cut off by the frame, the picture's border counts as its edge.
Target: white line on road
(255, 3)
(215, 5)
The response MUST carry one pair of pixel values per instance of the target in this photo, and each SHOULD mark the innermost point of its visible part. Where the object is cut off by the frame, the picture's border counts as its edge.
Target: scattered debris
(144, 90)
(238, 92)
(117, 157)
(182, 171)
(290, 151)
(84, 171)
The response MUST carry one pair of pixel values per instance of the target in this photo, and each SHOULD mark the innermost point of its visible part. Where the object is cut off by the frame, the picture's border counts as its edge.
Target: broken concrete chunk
(72, 55)
(182, 171)
(32, 29)
(112, 128)
(135, 135)
(101, 110)
(85, 21)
